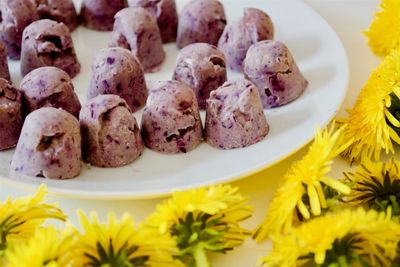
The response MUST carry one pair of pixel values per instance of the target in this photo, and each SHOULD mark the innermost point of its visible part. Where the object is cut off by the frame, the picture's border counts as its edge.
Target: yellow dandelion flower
(121, 243)
(347, 238)
(202, 220)
(384, 31)
(373, 123)
(306, 186)
(48, 247)
(20, 218)
(376, 186)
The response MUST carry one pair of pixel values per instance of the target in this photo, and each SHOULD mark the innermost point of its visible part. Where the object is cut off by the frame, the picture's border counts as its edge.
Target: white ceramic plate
(321, 57)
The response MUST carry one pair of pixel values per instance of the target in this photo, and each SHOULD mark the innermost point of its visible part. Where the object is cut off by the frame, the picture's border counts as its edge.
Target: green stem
(343, 261)
(200, 256)
(395, 205)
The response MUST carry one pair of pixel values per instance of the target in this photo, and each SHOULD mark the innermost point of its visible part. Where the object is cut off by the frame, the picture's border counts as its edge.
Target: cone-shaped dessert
(49, 87)
(202, 67)
(99, 14)
(48, 43)
(171, 120)
(110, 134)
(10, 115)
(116, 71)
(238, 36)
(271, 67)
(136, 29)
(49, 145)
(201, 21)
(166, 14)
(16, 15)
(4, 70)
(235, 116)
(59, 10)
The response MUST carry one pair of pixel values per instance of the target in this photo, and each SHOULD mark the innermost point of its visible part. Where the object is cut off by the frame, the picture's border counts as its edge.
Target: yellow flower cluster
(180, 232)
(338, 237)
(306, 180)
(354, 221)
(373, 123)
(203, 220)
(384, 32)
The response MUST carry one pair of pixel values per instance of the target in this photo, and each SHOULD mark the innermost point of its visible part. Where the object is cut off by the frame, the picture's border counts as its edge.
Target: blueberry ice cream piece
(171, 120)
(235, 116)
(15, 16)
(136, 29)
(166, 14)
(59, 10)
(116, 71)
(99, 14)
(49, 87)
(238, 36)
(4, 70)
(201, 21)
(48, 43)
(271, 67)
(10, 115)
(110, 134)
(49, 145)
(202, 67)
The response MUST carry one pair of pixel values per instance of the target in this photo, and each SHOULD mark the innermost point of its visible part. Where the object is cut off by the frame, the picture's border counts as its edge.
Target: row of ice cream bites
(171, 121)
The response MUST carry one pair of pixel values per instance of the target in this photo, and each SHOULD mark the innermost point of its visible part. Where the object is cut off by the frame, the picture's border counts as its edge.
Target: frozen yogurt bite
(202, 67)
(235, 116)
(48, 43)
(136, 30)
(16, 15)
(201, 21)
(238, 36)
(49, 87)
(59, 10)
(4, 70)
(110, 134)
(99, 14)
(117, 71)
(166, 14)
(10, 115)
(49, 145)
(171, 119)
(272, 68)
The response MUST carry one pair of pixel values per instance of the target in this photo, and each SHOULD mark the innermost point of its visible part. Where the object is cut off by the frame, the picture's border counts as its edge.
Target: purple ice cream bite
(59, 10)
(235, 116)
(171, 120)
(110, 134)
(201, 21)
(116, 71)
(49, 145)
(136, 29)
(202, 67)
(166, 14)
(48, 43)
(4, 70)
(99, 14)
(271, 67)
(10, 115)
(15, 16)
(49, 87)
(238, 36)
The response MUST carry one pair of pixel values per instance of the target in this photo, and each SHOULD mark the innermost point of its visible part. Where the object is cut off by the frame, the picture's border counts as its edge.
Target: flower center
(394, 109)
(199, 229)
(122, 258)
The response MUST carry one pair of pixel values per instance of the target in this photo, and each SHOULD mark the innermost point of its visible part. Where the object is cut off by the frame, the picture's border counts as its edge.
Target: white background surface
(348, 18)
